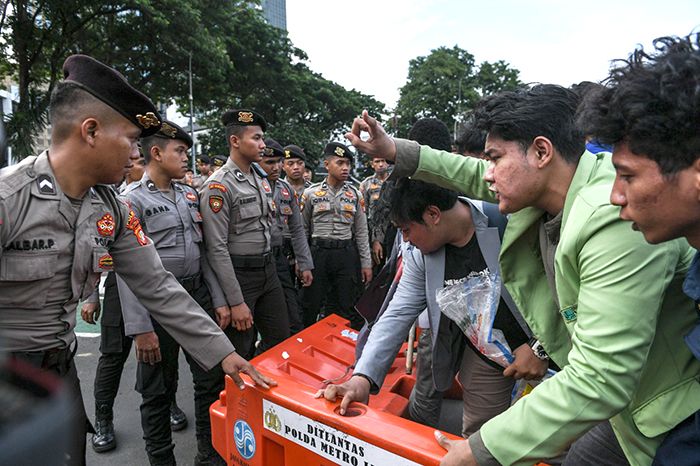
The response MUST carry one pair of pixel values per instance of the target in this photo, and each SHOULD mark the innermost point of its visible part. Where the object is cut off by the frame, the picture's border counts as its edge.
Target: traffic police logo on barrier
(244, 439)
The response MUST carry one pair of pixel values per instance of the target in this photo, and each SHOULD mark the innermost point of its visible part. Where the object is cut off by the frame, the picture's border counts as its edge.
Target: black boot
(178, 420)
(206, 454)
(104, 439)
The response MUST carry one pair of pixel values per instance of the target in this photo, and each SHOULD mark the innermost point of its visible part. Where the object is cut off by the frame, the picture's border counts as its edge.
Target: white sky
(366, 45)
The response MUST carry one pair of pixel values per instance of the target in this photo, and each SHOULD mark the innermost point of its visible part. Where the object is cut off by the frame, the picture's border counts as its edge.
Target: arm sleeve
(622, 284)
(362, 237)
(136, 317)
(137, 263)
(306, 213)
(215, 229)
(389, 332)
(95, 296)
(300, 245)
(218, 298)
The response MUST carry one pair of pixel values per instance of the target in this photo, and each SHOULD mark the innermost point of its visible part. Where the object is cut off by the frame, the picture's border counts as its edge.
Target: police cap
(169, 130)
(243, 117)
(203, 159)
(111, 87)
(218, 160)
(294, 152)
(337, 149)
(273, 148)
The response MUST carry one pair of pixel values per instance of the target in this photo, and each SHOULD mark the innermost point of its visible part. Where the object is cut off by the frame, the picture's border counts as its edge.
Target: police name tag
(334, 445)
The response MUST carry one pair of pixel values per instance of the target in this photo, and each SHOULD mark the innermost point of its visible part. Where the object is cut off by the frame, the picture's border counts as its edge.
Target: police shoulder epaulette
(15, 177)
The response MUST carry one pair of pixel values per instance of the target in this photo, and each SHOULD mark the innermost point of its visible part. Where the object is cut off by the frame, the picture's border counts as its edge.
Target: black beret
(170, 130)
(294, 152)
(203, 159)
(111, 87)
(273, 148)
(218, 160)
(337, 149)
(308, 165)
(244, 117)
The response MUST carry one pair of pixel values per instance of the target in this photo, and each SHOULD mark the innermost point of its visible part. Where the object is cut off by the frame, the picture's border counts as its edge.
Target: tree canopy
(432, 89)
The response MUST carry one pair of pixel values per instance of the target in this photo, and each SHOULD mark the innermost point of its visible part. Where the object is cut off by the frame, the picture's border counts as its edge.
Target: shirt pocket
(196, 225)
(162, 229)
(322, 207)
(25, 279)
(347, 212)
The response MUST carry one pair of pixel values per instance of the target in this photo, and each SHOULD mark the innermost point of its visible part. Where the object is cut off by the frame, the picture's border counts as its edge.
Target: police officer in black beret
(238, 213)
(204, 169)
(217, 161)
(60, 229)
(293, 166)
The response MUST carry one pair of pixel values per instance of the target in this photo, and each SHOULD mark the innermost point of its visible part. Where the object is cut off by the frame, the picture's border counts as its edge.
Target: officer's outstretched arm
(233, 365)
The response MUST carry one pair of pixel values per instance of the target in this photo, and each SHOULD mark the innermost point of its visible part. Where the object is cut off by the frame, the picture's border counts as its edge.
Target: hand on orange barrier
(355, 389)
(379, 143)
(526, 365)
(241, 317)
(233, 364)
(459, 453)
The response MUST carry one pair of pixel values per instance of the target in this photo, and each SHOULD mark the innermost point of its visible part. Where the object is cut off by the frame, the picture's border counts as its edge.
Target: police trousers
(157, 385)
(287, 278)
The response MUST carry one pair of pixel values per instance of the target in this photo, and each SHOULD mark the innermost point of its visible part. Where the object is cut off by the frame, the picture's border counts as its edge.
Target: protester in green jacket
(605, 305)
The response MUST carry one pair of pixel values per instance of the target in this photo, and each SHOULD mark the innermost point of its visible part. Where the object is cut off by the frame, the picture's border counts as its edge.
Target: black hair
(148, 143)
(522, 115)
(410, 198)
(652, 102)
(431, 132)
(234, 130)
(66, 104)
(470, 140)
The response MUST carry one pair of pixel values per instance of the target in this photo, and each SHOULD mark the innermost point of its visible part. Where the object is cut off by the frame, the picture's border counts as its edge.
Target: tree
(433, 86)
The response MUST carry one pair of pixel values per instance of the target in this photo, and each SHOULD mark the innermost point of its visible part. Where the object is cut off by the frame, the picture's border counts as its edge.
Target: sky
(367, 45)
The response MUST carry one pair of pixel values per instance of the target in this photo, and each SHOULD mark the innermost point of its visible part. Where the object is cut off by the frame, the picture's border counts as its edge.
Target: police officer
(237, 221)
(60, 229)
(333, 212)
(204, 169)
(294, 167)
(217, 161)
(170, 217)
(308, 172)
(289, 244)
(371, 187)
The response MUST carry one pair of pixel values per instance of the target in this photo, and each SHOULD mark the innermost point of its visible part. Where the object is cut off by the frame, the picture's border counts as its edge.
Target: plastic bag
(524, 387)
(472, 305)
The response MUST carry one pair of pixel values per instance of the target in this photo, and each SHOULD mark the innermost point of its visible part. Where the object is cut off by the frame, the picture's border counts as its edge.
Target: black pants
(286, 275)
(335, 277)
(157, 384)
(115, 346)
(263, 294)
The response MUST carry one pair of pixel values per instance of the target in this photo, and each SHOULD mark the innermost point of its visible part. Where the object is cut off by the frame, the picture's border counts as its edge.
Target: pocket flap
(27, 267)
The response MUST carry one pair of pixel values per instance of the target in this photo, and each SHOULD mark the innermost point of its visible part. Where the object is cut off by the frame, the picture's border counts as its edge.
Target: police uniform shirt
(370, 188)
(237, 217)
(336, 215)
(174, 225)
(52, 253)
(300, 191)
(287, 220)
(198, 181)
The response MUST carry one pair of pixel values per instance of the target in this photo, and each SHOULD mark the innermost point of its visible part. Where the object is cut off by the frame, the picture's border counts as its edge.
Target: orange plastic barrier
(286, 425)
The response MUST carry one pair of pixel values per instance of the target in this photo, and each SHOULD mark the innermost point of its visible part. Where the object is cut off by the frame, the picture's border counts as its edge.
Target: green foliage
(433, 86)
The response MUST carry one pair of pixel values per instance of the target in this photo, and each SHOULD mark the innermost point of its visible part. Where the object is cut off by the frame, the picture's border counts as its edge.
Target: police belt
(55, 358)
(257, 261)
(332, 243)
(191, 282)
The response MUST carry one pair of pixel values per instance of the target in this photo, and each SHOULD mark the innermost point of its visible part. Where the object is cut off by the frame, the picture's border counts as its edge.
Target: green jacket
(618, 336)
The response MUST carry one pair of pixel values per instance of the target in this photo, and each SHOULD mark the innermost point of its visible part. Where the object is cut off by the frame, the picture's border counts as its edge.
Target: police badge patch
(216, 203)
(105, 225)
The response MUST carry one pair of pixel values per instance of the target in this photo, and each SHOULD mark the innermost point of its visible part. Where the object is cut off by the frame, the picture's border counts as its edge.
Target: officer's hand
(147, 348)
(355, 389)
(526, 365)
(223, 316)
(306, 278)
(233, 364)
(379, 143)
(90, 312)
(459, 453)
(241, 317)
(366, 276)
(377, 252)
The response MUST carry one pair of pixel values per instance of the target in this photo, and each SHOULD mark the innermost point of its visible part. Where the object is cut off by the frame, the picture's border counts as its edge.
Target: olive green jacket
(618, 336)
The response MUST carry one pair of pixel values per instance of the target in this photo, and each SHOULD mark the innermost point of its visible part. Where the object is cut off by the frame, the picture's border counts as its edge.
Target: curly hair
(652, 102)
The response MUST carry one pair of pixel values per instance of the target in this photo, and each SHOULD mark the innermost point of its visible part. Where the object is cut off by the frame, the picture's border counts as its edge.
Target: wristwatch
(537, 348)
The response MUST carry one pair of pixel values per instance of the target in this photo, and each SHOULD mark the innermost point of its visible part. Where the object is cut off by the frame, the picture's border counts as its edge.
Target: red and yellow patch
(199, 216)
(287, 210)
(285, 193)
(106, 262)
(362, 203)
(375, 196)
(218, 186)
(349, 194)
(348, 215)
(191, 196)
(105, 225)
(266, 187)
(133, 224)
(373, 186)
(347, 207)
(216, 203)
(274, 206)
(140, 235)
(321, 207)
(320, 193)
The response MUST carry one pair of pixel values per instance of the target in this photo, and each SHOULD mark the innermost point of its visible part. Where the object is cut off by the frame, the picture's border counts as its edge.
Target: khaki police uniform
(237, 213)
(370, 188)
(290, 247)
(175, 228)
(337, 225)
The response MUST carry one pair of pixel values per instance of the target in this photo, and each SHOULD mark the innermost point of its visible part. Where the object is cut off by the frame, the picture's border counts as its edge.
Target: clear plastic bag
(524, 387)
(472, 305)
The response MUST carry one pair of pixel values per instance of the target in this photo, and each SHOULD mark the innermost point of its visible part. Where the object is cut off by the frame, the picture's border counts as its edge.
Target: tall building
(275, 12)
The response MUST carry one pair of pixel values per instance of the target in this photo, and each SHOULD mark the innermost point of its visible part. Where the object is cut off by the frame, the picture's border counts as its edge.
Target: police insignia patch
(151, 185)
(148, 120)
(218, 186)
(285, 193)
(266, 187)
(373, 186)
(320, 193)
(133, 224)
(105, 225)
(339, 151)
(216, 203)
(347, 207)
(245, 117)
(349, 193)
(191, 196)
(239, 175)
(45, 184)
(287, 210)
(321, 207)
(106, 262)
(199, 216)
(375, 196)
(168, 130)
(348, 215)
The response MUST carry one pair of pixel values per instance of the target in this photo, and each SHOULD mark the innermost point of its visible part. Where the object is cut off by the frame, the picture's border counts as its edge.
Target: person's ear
(89, 130)
(544, 151)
